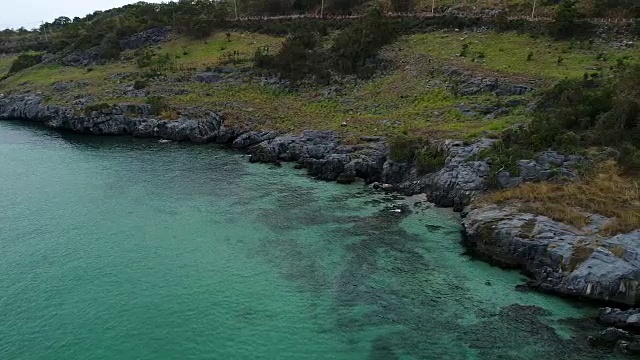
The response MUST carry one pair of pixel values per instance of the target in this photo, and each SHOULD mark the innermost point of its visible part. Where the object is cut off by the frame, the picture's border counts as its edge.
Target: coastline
(552, 254)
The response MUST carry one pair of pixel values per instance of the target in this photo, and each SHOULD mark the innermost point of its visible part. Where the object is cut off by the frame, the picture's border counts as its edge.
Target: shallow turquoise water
(127, 249)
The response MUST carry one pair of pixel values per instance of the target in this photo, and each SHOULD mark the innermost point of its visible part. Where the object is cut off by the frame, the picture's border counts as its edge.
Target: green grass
(410, 99)
(5, 64)
(218, 48)
(41, 78)
(507, 53)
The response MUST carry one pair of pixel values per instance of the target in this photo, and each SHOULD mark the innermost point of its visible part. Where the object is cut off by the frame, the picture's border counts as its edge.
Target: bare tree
(533, 12)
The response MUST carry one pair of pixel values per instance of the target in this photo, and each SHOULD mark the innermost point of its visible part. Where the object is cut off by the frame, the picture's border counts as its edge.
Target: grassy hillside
(522, 55)
(412, 96)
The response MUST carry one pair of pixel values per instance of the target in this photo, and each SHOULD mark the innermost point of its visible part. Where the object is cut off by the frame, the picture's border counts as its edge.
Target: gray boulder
(207, 77)
(87, 57)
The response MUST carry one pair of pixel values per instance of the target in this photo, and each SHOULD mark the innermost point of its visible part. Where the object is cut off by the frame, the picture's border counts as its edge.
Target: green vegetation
(522, 55)
(600, 116)
(189, 54)
(578, 114)
(158, 104)
(25, 61)
(427, 156)
(5, 64)
(310, 55)
(566, 17)
(411, 97)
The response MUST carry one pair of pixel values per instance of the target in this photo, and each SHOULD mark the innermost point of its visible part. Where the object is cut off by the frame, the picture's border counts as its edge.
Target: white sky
(29, 13)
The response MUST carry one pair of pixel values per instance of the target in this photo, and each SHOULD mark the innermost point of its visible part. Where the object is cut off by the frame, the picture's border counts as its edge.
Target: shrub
(262, 57)
(158, 104)
(565, 18)
(144, 57)
(361, 41)
(299, 57)
(110, 47)
(139, 84)
(426, 156)
(25, 61)
(577, 114)
(464, 52)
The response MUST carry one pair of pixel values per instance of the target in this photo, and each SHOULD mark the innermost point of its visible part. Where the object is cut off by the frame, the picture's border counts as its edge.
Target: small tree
(566, 17)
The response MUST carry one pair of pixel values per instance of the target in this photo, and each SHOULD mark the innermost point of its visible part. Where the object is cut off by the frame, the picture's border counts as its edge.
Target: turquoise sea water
(115, 248)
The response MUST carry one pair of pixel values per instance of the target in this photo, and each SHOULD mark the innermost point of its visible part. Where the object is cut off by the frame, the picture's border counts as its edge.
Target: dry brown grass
(606, 193)
(169, 115)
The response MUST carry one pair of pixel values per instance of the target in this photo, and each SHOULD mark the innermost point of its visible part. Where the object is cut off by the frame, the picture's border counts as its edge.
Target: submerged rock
(622, 319)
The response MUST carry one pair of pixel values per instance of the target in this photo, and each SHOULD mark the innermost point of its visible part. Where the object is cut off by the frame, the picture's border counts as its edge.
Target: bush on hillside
(566, 17)
(360, 42)
(158, 104)
(305, 55)
(426, 156)
(25, 61)
(110, 47)
(578, 114)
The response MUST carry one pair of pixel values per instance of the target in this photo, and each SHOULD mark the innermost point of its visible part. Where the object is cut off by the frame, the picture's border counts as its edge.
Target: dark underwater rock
(621, 319)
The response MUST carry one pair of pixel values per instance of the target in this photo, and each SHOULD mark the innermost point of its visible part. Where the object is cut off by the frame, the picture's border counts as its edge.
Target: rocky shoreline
(322, 153)
(559, 258)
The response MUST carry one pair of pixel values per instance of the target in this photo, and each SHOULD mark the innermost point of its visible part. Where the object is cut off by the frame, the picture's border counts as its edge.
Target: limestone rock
(560, 258)
(146, 38)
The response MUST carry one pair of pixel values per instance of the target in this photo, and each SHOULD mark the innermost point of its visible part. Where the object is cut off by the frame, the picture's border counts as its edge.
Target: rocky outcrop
(322, 153)
(116, 120)
(87, 57)
(466, 83)
(625, 341)
(549, 165)
(146, 38)
(560, 258)
(458, 181)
